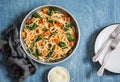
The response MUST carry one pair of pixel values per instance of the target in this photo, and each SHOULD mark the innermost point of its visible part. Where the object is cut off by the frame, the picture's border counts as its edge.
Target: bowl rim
(37, 8)
(63, 68)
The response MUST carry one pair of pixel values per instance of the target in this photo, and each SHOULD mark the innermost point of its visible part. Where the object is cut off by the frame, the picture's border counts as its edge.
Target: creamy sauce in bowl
(58, 74)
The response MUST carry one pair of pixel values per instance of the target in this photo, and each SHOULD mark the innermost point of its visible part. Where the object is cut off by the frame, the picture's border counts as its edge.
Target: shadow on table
(45, 75)
(90, 53)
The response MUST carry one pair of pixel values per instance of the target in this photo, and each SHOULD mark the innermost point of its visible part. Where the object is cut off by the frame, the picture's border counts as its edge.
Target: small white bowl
(68, 75)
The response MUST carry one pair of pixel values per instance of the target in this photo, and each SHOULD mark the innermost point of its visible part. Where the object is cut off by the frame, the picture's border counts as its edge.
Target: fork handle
(101, 70)
(95, 58)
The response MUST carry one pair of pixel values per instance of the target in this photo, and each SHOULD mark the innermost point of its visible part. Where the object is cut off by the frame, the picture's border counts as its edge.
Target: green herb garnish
(69, 37)
(37, 53)
(44, 29)
(38, 38)
(66, 29)
(51, 21)
(67, 26)
(64, 47)
(30, 50)
(33, 43)
(61, 44)
(49, 54)
(51, 11)
(33, 27)
(36, 15)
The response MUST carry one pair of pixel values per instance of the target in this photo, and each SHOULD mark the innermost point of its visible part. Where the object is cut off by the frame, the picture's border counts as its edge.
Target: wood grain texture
(92, 16)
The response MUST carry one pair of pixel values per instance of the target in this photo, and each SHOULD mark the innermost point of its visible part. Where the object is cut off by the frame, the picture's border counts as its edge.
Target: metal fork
(112, 47)
(112, 36)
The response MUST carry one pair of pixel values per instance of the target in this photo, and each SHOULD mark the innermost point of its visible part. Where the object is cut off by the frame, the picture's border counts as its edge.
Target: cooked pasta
(49, 34)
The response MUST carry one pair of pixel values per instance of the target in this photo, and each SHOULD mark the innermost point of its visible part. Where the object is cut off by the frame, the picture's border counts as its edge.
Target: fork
(112, 47)
(112, 36)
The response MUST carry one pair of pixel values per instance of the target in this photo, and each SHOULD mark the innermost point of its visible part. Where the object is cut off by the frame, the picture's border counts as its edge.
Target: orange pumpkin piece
(57, 40)
(47, 33)
(71, 44)
(58, 24)
(40, 21)
(28, 21)
(32, 38)
(45, 10)
(73, 35)
(50, 25)
(24, 34)
(37, 31)
(68, 19)
(64, 17)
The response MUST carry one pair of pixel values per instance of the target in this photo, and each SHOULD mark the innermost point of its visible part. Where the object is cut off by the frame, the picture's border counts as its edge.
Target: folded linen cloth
(20, 66)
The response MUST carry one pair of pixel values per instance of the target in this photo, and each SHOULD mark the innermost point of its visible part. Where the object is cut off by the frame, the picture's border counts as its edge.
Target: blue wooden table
(92, 16)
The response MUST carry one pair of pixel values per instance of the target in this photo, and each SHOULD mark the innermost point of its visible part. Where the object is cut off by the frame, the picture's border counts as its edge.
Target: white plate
(113, 62)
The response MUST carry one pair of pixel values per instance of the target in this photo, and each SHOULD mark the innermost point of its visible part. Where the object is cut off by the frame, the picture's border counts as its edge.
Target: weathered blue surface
(92, 16)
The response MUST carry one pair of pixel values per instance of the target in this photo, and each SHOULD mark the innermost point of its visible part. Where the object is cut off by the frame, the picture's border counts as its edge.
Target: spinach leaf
(67, 26)
(36, 15)
(37, 53)
(30, 50)
(49, 54)
(38, 38)
(50, 12)
(64, 47)
(61, 44)
(33, 27)
(69, 37)
(52, 33)
(33, 43)
(44, 29)
(51, 21)
(66, 29)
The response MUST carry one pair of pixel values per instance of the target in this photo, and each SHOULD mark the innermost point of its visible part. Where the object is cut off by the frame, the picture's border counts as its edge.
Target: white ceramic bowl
(60, 68)
(64, 11)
